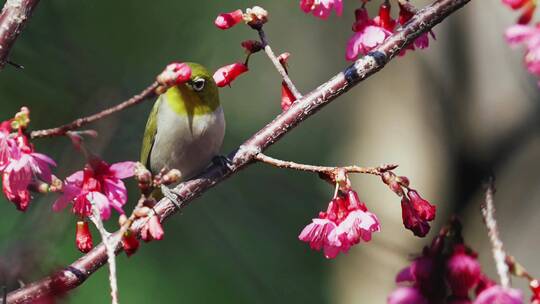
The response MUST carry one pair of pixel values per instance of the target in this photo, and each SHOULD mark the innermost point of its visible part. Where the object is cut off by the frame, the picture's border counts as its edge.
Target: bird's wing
(150, 135)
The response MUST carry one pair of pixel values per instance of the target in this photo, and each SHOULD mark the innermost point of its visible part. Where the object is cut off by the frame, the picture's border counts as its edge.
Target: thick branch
(147, 93)
(13, 18)
(488, 212)
(75, 274)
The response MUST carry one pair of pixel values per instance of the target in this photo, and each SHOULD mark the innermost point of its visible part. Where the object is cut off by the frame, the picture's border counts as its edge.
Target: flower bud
(130, 243)
(252, 46)
(171, 177)
(152, 230)
(226, 75)
(83, 237)
(142, 212)
(227, 20)
(21, 119)
(463, 272)
(174, 74)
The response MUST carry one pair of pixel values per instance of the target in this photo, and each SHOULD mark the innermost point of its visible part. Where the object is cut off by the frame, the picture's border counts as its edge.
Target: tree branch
(322, 169)
(75, 274)
(147, 93)
(13, 18)
(488, 213)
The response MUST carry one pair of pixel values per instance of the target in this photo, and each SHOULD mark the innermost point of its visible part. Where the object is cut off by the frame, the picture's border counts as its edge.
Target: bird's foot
(173, 195)
(222, 160)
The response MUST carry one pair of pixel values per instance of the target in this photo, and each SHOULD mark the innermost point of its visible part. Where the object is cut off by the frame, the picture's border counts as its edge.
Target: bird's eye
(198, 84)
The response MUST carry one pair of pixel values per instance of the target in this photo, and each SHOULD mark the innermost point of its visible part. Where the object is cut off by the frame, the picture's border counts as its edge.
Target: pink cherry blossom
(463, 271)
(530, 37)
(499, 294)
(24, 167)
(6, 142)
(152, 230)
(346, 223)
(98, 183)
(406, 295)
(368, 35)
(322, 8)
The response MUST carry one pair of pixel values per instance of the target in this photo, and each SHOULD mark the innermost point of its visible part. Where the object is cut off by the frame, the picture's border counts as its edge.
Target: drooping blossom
(6, 144)
(369, 33)
(416, 213)
(526, 6)
(83, 237)
(463, 271)
(287, 96)
(406, 295)
(530, 37)
(98, 183)
(422, 42)
(226, 75)
(499, 294)
(227, 20)
(322, 8)
(251, 46)
(130, 243)
(24, 166)
(346, 223)
(152, 230)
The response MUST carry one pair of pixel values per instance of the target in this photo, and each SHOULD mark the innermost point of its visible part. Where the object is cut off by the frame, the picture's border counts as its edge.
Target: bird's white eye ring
(198, 84)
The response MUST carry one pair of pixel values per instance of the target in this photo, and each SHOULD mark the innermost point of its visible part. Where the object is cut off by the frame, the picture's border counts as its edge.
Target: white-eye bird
(186, 126)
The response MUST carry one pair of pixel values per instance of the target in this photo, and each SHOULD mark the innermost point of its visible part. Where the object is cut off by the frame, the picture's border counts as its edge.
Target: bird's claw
(173, 195)
(222, 160)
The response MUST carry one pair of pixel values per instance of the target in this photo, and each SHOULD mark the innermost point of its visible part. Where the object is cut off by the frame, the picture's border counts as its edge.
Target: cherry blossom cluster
(23, 169)
(368, 32)
(526, 34)
(347, 220)
(448, 271)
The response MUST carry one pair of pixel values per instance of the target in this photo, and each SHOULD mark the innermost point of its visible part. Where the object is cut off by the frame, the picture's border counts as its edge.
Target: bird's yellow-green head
(199, 95)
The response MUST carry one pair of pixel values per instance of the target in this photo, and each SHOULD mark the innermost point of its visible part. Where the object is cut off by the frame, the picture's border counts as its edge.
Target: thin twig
(147, 93)
(322, 169)
(75, 274)
(488, 212)
(277, 64)
(107, 238)
(13, 18)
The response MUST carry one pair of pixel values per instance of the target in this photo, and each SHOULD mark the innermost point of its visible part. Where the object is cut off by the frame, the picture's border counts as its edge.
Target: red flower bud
(411, 219)
(83, 237)
(174, 74)
(227, 74)
(385, 20)
(423, 208)
(463, 272)
(252, 46)
(527, 14)
(152, 230)
(287, 97)
(130, 243)
(227, 20)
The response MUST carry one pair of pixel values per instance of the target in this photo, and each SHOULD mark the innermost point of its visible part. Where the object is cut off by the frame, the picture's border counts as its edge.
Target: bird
(186, 126)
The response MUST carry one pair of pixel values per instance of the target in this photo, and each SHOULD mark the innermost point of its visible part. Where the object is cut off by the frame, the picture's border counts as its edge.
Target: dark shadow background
(449, 115)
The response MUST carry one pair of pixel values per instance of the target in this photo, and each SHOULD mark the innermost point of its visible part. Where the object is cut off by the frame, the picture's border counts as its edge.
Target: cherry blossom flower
(527, 6)
(346, 223)
(98, 183)
(463, 271)
(416, 213)
(174, 74)
(499, 294)
(152, 230)
(406, 295)
(368, 34)
(23, 168)
(6, 142)
(130, 243)
(227, 74)
(83, 237)
(322, 8)
(530, 37)
(227, 20)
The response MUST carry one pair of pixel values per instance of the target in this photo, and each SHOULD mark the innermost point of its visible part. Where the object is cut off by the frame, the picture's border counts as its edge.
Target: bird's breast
(186, 142)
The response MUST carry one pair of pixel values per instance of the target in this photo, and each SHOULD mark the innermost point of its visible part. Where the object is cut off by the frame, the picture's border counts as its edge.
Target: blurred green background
(448, 115)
